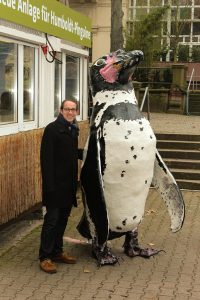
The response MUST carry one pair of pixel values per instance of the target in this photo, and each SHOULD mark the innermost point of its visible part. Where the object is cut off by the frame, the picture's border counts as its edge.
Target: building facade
(182, 19)
(44, 49)
(186, 11)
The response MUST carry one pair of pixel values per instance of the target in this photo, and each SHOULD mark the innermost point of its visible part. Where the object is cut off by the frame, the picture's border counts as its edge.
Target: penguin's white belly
(130, 148)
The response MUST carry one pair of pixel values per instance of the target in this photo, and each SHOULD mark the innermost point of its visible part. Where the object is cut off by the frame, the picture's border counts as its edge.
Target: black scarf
(73, 127)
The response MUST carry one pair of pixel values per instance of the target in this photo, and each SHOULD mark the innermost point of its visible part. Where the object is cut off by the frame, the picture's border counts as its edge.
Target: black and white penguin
(120, 162)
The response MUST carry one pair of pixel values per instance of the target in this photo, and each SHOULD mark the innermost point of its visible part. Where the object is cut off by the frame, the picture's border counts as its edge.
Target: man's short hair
(71, 100)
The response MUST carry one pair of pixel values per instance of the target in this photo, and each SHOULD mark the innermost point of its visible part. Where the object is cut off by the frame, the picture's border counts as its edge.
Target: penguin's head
(114, 71)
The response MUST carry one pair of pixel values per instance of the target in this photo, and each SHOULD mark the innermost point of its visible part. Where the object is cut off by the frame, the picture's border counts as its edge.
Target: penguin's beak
(130, 63)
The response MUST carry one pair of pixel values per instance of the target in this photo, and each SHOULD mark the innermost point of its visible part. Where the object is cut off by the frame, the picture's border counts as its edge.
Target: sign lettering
(50, 17)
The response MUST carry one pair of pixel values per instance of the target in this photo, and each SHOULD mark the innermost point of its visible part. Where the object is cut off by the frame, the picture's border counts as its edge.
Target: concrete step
(182, 163)
(194, 113)
(194, 98)
(177, 137)
(194, 104)
(188, 184)
(179, 154)
(180, 145)
(186, 174)
(194, 95)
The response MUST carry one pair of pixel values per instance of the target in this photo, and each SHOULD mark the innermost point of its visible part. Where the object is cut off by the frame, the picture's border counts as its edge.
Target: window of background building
(131, 14)
(187, 39)
(195, 39)
(196, 28)
(174, 13)
(197, 13)
(183, 53)
(184, 28)
(72, 79)
(141, 2)
(185, 13)
(164, 28)
(151, 9)
(141, 12)
(184, 2)
(156, 2)
(196, 53)
(57, 85)
(173, 2)
(131, 3)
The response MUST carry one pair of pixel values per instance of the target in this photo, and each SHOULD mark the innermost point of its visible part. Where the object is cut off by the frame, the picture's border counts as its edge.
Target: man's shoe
(48, 266)
(62, 257)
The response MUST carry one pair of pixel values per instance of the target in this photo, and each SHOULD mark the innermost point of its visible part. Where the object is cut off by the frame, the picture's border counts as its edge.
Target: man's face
(69, 111)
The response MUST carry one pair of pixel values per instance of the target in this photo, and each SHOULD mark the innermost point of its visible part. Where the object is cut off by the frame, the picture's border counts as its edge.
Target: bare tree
(116, 36)
(179, 24)
(146, 35)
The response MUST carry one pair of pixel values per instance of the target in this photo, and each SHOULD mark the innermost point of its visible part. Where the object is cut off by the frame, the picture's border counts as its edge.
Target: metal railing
(195, 83)
(154, 77)
(146, 96)
(188, 92)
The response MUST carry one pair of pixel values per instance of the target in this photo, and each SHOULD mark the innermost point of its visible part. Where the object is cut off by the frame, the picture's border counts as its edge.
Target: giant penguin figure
(120, 162)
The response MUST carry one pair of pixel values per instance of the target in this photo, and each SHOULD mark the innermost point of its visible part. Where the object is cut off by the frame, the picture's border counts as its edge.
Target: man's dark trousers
(55, 222)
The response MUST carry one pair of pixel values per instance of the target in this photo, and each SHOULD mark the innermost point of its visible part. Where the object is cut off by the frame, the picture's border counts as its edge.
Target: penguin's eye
(99, 62)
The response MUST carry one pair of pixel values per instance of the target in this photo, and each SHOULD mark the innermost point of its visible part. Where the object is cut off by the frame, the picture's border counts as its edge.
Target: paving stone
(39, 294)
(167, 292)
(117, 297)
(182, 297)
(160, 297)
(20, 297)
(69, 297)
(86, 296)
(121, 291)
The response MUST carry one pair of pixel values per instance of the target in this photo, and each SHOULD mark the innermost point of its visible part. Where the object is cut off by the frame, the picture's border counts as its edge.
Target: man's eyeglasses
(73, 110)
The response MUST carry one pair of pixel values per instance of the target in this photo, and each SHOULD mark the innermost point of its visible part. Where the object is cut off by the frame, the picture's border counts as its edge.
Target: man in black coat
(59, 166)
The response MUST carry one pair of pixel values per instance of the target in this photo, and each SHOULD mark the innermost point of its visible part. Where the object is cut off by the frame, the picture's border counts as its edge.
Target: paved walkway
(172, 123)
(173, 274)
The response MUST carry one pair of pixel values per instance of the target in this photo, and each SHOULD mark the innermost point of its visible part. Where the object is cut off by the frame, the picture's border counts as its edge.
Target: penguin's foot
(132, 248)
(143, 252)
(104, 256)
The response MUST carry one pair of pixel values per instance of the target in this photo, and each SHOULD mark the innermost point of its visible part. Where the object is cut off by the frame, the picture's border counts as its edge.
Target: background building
(186, 12)
(182, 19)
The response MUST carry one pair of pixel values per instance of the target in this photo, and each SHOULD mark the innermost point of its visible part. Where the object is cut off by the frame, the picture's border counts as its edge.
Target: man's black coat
(59, 163)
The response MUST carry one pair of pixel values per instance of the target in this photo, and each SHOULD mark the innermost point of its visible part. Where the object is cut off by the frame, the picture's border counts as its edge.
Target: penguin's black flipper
(95, 214)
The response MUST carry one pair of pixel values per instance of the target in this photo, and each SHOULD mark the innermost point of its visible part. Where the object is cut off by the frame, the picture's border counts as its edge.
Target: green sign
(48, 16)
